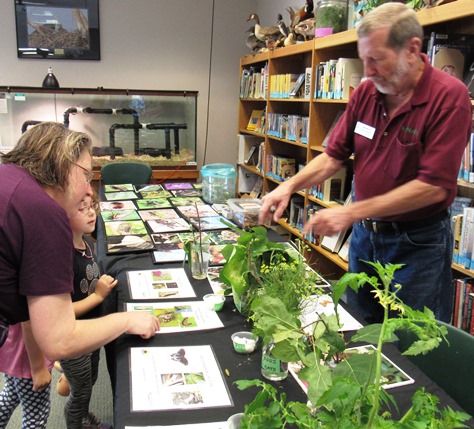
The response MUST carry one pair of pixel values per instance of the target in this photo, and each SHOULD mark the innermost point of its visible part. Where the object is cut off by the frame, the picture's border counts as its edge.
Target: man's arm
(410, 196)
(318, 170)
(61, 336)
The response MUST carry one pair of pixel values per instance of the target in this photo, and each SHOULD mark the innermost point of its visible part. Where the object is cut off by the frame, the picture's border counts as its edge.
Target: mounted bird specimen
(264, 34)
(306, 28)
(282, 26)
(252, 42)
(302, 14)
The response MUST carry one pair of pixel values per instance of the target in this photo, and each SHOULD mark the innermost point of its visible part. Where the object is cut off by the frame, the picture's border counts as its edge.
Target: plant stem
(378, 362)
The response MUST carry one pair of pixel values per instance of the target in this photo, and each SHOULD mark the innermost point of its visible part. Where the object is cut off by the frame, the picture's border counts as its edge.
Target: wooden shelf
(252, 133)
(333, 257)
(251, 168)
(462, 270)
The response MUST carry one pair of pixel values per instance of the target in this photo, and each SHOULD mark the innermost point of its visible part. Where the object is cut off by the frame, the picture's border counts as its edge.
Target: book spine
(465, 303)
(307, 83)
(460, 285)
(458, 220)
(471, 322)
(429, 49)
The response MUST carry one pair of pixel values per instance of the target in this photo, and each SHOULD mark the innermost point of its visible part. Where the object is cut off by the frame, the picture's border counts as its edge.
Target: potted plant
(347, 394)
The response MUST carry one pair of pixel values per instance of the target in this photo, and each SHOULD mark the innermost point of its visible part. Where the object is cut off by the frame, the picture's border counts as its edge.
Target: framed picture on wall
(58, 29)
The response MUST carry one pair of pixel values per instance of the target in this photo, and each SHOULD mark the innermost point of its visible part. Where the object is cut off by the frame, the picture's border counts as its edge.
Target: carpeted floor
(101, 401)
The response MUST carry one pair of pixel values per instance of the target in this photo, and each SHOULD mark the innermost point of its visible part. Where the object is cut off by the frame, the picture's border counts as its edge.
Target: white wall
(268, 10)
(157, 44)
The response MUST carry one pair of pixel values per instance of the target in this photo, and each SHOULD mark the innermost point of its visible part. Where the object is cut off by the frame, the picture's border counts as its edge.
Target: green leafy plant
(348, 393)
(244, 260)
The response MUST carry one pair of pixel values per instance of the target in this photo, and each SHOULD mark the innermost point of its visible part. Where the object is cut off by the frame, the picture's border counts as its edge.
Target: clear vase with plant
(349, 394)
(294, 283)
(197, 250)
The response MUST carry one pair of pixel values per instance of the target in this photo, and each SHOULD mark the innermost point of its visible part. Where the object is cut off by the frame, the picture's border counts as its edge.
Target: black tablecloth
(239, 366)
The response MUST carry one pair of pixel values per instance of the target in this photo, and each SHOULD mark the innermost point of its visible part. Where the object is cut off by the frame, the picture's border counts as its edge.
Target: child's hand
(105, 285)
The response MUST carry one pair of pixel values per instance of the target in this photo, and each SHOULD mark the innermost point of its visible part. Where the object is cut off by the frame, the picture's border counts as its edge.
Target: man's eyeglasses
(84, 209)
(89, 174)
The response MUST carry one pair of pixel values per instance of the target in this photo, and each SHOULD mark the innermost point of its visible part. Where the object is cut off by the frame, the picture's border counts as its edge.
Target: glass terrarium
(156, 127)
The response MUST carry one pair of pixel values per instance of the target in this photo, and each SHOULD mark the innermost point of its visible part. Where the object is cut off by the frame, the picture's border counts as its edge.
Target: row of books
(337, 78)
(466, 170)
(289, 127)
(280, 167)
(291, 85)
(463, 317)
(451, 52)
(463, 232)
(254, 82)
(332, 189)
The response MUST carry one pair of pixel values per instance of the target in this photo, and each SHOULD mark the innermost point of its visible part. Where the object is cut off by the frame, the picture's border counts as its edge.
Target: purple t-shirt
(36, 252)
(425, 140)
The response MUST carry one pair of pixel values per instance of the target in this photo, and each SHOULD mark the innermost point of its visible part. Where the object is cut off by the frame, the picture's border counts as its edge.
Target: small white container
(244, 342)
(214, 301)
(233, 422)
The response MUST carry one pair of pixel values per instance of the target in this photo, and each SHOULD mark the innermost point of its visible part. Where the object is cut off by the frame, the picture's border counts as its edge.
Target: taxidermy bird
(252, 42)
(306, 28)
(282, 26)
(302, 14)
(264, 34)
(289, 40)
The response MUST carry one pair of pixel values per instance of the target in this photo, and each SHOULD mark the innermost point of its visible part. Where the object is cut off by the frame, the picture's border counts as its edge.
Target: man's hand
(274, 204)
(329, 221)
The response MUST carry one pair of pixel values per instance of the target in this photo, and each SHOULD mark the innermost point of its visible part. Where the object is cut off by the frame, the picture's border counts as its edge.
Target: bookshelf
(451, 17)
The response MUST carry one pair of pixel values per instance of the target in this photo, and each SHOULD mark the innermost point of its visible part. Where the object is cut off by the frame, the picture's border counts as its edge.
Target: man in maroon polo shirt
(407, 125)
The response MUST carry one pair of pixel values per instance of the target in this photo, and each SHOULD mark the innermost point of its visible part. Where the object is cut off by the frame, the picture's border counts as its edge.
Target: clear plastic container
(245, 211)
(218, 183)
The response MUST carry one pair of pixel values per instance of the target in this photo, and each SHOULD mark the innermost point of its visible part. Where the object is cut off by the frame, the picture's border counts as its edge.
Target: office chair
(450, 366)
(117, 173)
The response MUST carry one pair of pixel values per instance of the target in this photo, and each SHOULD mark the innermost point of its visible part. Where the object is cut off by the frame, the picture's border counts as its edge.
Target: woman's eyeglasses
(89, 174)
(84, 209)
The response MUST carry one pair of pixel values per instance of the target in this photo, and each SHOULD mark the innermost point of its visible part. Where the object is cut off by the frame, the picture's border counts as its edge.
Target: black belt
(394, 228)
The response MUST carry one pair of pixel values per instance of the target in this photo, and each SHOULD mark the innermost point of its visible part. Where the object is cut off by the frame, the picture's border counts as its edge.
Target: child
(90, 290)
(27, 379)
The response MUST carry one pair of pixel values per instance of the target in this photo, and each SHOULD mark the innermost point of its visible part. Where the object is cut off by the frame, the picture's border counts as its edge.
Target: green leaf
(358, 367)
(318, 378)
(286, 351)
(369, 333)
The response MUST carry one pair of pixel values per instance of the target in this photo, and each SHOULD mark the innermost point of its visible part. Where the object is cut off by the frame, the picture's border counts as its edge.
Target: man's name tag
(364, 130)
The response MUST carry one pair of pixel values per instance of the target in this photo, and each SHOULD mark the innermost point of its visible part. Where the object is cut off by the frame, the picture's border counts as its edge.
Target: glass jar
(199, 260)
(331, 17)
(273, 368)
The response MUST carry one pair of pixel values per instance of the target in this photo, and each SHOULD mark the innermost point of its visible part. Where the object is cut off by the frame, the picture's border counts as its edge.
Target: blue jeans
(426, 276)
